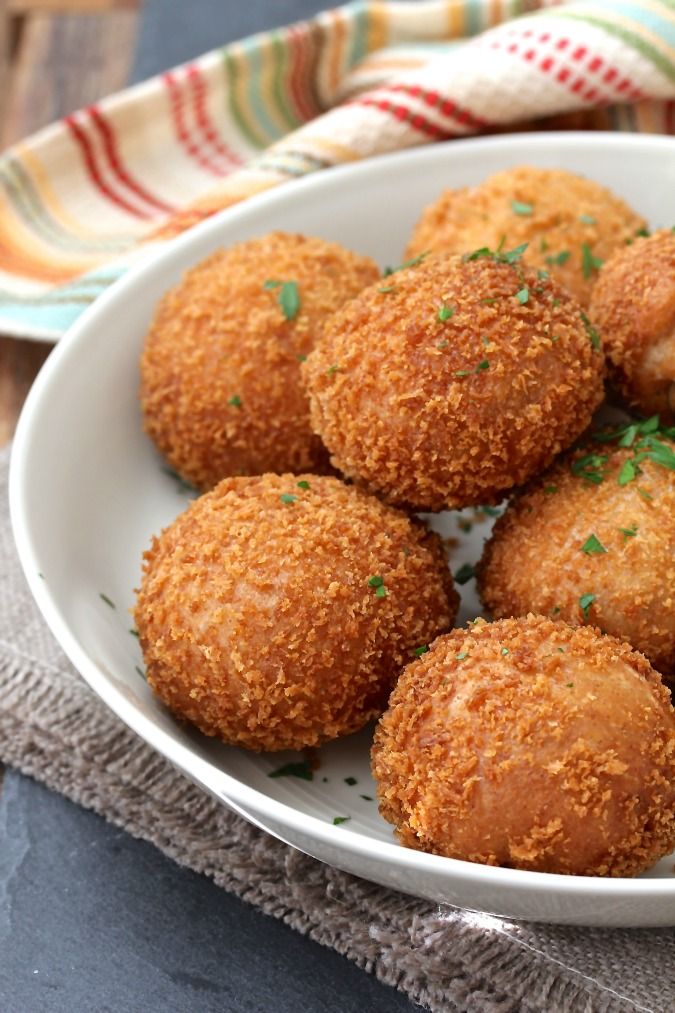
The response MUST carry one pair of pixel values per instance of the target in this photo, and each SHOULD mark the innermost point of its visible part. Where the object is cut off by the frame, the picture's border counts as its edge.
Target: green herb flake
(523, 295)
(407, 263)
(590, 467)
(270, 284)
(489, 511)
(543, 275)
(593, 546)
(337, 820)
(234, 401)
(419, 651)
(301, 770)
(556, 610)
(519, 208)
(289, 299)
(351, 781)
(332, 369)
(483, 364)
(558, 259)
(629, 532)
(287, 497)
(462, 655)
(550, 489)
(107, 600)
(555, 302)
(464, 525)
(591, 331)
(301, 358)
(587, 219)
(570, 685)
(375, 581)
(465, 573)
(589, 262)
(508, 257)
(628, 473)
(505, 651)
(386, 289)
(134, 632)
(445, 312)
(561, 650)
(381, 592)
(140, 672)
(585, 603)
(367, 798)
(462, 372)
(442, 344)
(643, 492)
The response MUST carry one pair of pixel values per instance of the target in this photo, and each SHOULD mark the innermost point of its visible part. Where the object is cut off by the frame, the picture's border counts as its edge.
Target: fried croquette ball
(570, 224)
(633, 307)
(220, 369)
(528, 744)
(580, 546)
(277, 611)
(453, 380)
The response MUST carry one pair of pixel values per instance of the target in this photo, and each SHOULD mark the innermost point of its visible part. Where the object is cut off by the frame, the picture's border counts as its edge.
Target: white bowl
(87, 490)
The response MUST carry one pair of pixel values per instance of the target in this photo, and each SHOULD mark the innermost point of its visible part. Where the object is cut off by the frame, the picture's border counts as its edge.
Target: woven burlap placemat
(53, 728)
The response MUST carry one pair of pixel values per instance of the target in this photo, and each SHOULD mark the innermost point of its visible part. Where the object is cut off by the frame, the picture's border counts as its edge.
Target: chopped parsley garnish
(332, 369)
(337, 820)
(519, 208)
(301, 358)
(589, 262)
(288, 296)
(628, 472)
(489, 511)
(376, 580)
(504, 651)
(182, 485)
(351, 781)
(506, 257)
(555, 610)
(462, 372)
(587, 219)
(234, 401)
(107, 600)
(462, 655)
(643, 492)
(303, 484)
(523, 295)
(407, 263)
(589, 467)
(442, 344)
(287, 497)
(381, 592)
(367, 798)
(550, 489)
(445, 312)
(593, 546)
(386, 289)
(591, 331)
(300, 769)
(134, 632)
(419, 651)
(558, 259)
(140, 672)
(464, 525)
(570, 685)
(465, 573)
(543, 275)
(629, 532)
(585, 603)
(483, 364)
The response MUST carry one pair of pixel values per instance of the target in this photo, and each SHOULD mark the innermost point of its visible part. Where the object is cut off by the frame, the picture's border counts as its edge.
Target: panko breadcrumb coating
(451, 381)
(570, 224)
(276, 612)
(633, 306)
(220, 370)
(529, 744)
(578, 545)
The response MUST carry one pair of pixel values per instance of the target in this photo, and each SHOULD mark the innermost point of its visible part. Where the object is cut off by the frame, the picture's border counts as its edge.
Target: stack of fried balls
(318, 407)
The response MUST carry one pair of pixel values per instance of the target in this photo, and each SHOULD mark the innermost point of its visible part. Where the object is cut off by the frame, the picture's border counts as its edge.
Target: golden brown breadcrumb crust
(437, 387)
(557, 213)
(258, 618)
(633, 306)
(220, 369)
(529, 744)
(534, 560)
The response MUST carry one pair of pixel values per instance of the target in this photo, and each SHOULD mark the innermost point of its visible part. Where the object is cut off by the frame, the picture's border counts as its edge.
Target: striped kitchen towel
(85, 198)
